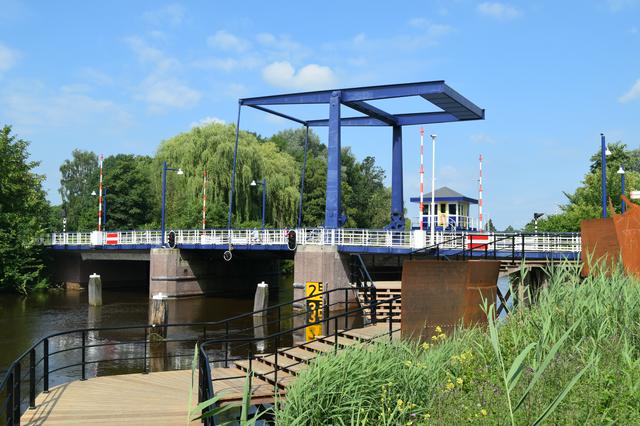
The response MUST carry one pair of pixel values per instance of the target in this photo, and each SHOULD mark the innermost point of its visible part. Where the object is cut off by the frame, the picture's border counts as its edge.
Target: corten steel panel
(442, 293)
(599, 244)
(627, 227)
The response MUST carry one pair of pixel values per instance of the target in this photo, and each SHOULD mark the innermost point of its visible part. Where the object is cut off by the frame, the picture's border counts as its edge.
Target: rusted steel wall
(441, 293)
(609, 240)
(599, 244)
(627, 227)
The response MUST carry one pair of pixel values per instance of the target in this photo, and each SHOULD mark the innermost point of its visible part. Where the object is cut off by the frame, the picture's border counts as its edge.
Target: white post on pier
(95, 290)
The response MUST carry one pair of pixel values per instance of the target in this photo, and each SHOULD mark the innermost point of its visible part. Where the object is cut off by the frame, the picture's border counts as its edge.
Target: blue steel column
(332, 207)
(397, 193)
(624, 206)
(302, 175)
(164, 197)
(233, 173)
(603, 164)
(264, 199)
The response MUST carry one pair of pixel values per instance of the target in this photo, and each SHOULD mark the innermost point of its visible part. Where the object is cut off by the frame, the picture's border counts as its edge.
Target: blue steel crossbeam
(452, 107)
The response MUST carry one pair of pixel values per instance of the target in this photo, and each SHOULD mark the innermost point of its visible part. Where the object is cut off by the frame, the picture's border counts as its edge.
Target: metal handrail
(206, 389)
(39, 354)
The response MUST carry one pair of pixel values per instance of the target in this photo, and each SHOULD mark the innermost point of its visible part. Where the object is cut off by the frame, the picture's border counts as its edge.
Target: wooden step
(265, 371)
(318, 347)
(229, 384)
(299, 354)
(291, 365)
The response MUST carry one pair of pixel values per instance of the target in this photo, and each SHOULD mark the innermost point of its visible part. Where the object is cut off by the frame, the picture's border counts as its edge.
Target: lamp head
(433, 136)
(253, 183)
(179, 171)
(620, 171)
(537, 216)
(607, 152)
(93, 193)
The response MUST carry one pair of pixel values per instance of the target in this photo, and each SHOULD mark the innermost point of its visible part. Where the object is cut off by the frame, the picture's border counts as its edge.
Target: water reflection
(23, 321)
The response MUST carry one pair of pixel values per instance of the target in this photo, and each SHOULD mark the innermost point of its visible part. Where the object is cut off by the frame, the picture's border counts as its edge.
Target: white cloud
(632, 94)
(95, 76)
(207, 121)
(8, 58)
(309, 77)
(171, 15)
(618, 5)
(246, 62)
(152, 55)
(482, 138)
(236, 90)
(224, 40)
(162, 93)
(282, 42)
(424, 33)
(31, 105)
(498, 10)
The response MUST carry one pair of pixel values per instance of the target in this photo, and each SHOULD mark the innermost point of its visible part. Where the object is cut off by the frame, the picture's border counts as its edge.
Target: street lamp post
(164, 196)
(604, 152)
(433, 188)
(621, 173)
(104, 206)
(536, 216)
(264, 196)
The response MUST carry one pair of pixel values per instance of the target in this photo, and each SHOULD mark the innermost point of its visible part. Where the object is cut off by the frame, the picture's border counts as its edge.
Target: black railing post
(279, 321)
(204, 332)
(470, 245)
(84, 355)
(45, 367)
(275, 358)
(144, 360)
(346, 307)
(373, 305)
(335, 334)
(16, 394)
(513, 249)
(486, 250)
(523, 255)
(32, 378)
(226, 344)
(390, 319)
(10, 397)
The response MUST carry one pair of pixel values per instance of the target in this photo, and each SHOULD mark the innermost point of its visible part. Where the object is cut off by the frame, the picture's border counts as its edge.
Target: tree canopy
(24, 215)
(134, 183)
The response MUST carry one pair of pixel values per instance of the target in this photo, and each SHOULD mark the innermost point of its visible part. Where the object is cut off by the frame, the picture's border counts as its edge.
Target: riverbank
(575, 356)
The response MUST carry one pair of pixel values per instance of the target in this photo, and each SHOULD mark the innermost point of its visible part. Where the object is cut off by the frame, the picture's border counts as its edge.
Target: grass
(571, 358)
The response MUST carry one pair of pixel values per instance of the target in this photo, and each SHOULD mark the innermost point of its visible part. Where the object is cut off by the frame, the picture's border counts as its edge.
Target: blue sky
(122, 76)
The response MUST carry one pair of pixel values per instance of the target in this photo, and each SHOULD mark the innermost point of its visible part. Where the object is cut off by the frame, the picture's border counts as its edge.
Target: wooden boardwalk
(162, 398)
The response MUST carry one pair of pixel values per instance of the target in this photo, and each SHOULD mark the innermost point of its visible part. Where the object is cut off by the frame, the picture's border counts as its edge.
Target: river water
(25, 320)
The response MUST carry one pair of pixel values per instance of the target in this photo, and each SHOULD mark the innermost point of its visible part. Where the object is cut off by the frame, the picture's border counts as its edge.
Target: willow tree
(211, 148)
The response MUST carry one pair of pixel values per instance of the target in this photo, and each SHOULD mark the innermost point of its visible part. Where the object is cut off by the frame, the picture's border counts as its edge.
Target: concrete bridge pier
(325, 264)
(181, 273)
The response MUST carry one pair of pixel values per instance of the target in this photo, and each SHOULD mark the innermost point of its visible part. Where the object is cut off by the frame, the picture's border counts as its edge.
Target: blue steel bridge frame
(452, 107)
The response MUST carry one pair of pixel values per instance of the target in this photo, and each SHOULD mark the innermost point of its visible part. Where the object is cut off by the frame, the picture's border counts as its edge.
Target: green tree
(490, 226)
(130, 192)
(79, 179)
(24, 214)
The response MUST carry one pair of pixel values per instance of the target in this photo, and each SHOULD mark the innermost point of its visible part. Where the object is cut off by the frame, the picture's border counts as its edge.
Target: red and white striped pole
(204, 201)
(480, 198)
(421, 178)
(100, 197)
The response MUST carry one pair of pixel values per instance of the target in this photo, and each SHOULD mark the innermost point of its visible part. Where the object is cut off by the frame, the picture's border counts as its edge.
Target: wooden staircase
(290, 361)
(385, 290)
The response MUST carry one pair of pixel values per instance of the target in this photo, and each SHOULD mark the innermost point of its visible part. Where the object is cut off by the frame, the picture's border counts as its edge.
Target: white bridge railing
(541, 242)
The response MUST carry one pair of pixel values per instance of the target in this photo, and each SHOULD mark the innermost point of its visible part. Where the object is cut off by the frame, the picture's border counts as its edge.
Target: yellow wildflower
(434, 338)
(450, 386)
(408, 363)
(459, 381)
(442, 336)
(425, 346)
(426, 416)
(400, 402)
(483, 412)
(438, 329)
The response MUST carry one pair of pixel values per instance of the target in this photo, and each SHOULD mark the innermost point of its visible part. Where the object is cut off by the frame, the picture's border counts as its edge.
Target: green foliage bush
(24, 215)
(459, 380)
